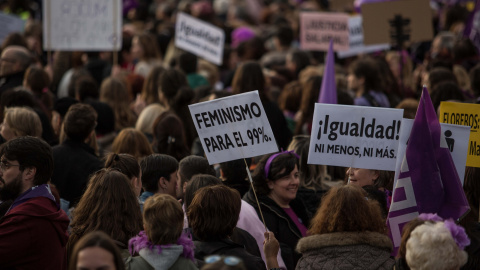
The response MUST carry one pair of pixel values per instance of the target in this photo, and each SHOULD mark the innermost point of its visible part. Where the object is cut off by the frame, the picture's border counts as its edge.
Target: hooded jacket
(227, 247)
(345, 250)
(177, 256)
(169, 259)
(33, 235)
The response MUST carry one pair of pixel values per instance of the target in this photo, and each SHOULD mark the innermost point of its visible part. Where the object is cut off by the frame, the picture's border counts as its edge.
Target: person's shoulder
(137, 263)
(183, 263)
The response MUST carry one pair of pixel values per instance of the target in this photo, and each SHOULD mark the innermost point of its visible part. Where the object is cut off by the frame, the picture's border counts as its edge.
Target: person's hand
(271, 248)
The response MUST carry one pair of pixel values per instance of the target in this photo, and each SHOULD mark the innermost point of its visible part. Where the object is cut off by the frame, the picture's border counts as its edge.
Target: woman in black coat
(276, 181)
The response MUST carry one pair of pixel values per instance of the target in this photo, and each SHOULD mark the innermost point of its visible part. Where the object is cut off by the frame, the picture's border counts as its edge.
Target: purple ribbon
(272, 157)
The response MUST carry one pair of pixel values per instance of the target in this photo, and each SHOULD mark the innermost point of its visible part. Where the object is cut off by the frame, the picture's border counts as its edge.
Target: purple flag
(328, 91)
(428, 181)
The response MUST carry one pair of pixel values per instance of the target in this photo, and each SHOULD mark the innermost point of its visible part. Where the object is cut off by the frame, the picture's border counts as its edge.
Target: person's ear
(376, 175)
(270, 184)
(30, 173)
(184, 187)
(162, 183)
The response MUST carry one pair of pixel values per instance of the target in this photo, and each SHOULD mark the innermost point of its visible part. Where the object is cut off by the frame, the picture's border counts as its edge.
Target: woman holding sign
(276, 181)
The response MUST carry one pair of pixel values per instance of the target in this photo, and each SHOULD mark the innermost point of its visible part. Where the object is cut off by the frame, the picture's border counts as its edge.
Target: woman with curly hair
(437, 245)
(347, 231)
(109, 204)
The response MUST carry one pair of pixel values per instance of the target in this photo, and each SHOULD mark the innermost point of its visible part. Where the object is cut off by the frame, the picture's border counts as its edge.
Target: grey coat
(345, 250)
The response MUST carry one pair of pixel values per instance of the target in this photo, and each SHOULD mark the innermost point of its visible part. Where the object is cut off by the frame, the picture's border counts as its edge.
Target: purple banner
(427, 181)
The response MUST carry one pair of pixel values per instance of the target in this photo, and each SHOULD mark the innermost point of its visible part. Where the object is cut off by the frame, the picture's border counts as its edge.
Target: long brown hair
(150, 86)
(149, 46)
(109, 204)
(249, 77)
(346, 209)
(114, 93)
(169, 136)
(309, 97)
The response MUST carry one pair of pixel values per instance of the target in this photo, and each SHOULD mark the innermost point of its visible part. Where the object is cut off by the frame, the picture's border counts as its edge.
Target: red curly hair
(346, 209)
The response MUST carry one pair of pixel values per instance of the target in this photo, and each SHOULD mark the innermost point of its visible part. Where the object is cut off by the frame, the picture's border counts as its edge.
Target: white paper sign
(87, 25)
(199, 38)
(356, 40)
(233, 127)
(10, 24)
(355, 136)
(457, 141)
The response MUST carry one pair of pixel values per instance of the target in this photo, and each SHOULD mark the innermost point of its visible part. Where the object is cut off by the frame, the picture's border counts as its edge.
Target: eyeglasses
(4, 165)
(230, 260)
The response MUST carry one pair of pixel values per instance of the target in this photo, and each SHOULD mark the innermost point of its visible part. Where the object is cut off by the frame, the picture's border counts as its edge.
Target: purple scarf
(141, 241)
(34, 192)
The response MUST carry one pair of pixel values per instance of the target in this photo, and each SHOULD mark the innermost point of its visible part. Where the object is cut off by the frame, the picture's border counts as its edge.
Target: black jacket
(279, 125)
(74, 162)
(278, 222)
(11, 81)
(227, 247)
(311, 198)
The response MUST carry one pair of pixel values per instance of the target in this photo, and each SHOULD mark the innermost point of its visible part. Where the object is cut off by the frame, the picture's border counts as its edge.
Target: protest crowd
(103, 165)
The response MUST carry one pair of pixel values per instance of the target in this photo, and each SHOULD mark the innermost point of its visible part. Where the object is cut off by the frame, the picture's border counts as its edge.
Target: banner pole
(254, 193)
(115, 35)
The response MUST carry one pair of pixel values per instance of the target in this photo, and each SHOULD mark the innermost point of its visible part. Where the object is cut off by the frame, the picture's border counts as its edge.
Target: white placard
(457, 141)
(356, 40)
(10, 24)
(355, 136)
(87, 25)
(199, 38)
(233, 127)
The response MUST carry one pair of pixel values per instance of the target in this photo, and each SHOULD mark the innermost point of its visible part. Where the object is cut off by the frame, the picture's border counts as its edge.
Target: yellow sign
(467, 115)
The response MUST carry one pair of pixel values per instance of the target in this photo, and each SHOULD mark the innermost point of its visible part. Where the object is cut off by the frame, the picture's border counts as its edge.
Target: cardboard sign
(10, 24)
(233, 127)
(317, 28)
(416, 14)
(356, 40)
(466, 115)
(355, 136)
(87, 25)
(199, 38)
(456, 137)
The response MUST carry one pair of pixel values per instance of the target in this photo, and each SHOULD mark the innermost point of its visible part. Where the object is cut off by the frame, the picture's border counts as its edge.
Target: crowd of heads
(118, 132)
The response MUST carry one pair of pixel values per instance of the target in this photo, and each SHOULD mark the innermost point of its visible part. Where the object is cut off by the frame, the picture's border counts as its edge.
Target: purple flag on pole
(328, 91)
(428, 181)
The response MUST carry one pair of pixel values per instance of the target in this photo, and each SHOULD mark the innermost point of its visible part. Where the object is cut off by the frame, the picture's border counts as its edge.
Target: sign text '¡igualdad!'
(353, 129)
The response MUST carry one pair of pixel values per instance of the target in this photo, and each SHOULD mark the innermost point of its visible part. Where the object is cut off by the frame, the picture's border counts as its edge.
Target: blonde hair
(431, 246)
(23, 121)
(163, 219)
(147, 117)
